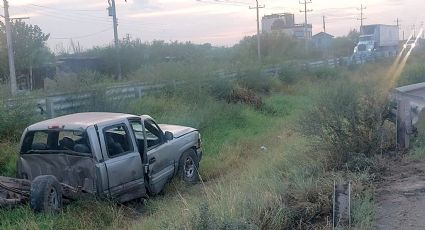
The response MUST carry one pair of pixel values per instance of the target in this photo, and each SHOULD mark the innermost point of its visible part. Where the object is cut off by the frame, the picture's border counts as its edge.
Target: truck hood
(177, 130)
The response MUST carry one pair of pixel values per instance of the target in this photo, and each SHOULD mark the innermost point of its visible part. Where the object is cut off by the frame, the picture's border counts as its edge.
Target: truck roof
(79, 121)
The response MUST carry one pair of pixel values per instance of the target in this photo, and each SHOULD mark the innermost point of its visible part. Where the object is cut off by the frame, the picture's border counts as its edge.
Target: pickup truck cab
(119, 156)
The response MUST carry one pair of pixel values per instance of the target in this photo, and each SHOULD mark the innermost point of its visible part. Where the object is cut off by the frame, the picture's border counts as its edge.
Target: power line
(66, 17)
(71, 16)
(82, 36)
(63, 9)
(224, 2)
(61, 14)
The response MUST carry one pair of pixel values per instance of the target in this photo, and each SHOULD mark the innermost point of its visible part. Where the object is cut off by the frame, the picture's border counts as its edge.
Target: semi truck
(377, 41)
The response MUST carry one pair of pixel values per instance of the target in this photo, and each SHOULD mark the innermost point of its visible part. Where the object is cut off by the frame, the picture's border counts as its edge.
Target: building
(285, 23)
(276, 22)
(76, 64)
(322, 41)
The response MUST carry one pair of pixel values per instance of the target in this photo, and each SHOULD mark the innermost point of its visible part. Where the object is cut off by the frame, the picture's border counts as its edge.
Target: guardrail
(59, 104)
(410, 103)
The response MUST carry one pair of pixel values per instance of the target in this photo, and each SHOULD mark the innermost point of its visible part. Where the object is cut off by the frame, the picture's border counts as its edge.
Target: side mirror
(168, 136)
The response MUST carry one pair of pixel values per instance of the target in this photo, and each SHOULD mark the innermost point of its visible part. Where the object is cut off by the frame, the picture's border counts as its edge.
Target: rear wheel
(188, 166)
(46, 194)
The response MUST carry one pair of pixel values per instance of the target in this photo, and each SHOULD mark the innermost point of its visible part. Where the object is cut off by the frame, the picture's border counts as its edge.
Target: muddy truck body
(118, 156)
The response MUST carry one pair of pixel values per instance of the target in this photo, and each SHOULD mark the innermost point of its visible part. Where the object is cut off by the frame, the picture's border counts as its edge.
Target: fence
(59, 104)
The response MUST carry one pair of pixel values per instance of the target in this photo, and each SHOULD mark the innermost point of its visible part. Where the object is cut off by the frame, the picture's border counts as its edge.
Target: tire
(46, 194)
(188, 166)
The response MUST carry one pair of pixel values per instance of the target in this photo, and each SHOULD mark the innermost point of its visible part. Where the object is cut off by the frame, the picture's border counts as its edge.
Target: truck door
(123, 162)
(159, 155)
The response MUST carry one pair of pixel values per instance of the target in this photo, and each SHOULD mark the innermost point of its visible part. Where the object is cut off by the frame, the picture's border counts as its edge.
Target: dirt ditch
(401, 196)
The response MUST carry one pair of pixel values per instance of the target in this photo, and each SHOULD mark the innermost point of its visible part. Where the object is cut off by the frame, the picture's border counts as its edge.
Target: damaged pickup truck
(112, 155)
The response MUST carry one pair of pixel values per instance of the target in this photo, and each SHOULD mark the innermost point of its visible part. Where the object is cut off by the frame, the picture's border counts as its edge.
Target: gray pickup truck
(118, 156)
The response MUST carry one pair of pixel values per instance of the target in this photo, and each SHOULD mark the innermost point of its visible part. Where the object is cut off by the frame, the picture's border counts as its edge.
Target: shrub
(290, 73)
(326, 72)
(15, 117)
(244, 91)
(245, 96)
(81, 82)
(413, 74)
(256, 81)
(8, 155)
(346, 121)
(221, 89)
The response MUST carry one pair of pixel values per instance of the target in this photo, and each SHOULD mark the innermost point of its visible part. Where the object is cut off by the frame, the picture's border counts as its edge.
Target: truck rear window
(56, 141)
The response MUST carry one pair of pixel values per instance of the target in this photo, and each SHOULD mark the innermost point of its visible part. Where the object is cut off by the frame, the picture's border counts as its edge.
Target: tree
(30, 49)
(276, 48)
(343, 46)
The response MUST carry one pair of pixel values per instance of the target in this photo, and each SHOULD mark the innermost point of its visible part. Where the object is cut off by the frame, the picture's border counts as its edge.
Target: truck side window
(117, 140)
(153, 134)
(138, 133)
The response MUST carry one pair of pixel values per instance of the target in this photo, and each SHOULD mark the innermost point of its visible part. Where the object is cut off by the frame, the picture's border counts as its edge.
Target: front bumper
(199, 153)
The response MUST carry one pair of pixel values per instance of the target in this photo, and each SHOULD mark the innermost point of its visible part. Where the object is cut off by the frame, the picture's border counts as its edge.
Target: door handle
(152, 160)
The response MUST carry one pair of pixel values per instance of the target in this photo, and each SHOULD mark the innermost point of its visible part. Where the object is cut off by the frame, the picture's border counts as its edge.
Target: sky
(219, 22)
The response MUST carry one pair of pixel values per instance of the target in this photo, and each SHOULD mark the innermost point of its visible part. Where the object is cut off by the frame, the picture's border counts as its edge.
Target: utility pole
(398, 22)
(414, 30)
(362, 18)
(113, 12)
(128, 38)
(398, 26)
(305, 11)
(324, 24)
(258, 7)
(12, 71)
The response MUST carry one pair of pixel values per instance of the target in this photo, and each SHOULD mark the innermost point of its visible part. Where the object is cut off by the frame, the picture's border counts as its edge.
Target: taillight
(56, 127)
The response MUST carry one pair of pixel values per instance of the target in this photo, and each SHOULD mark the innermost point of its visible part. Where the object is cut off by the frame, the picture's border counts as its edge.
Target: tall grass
(14, 118)
(258, 172)
(82, 214)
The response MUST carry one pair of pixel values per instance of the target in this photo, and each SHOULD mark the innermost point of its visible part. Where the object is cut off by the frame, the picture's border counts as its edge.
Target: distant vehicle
(377, 41)
(410, 43)
(111, 155)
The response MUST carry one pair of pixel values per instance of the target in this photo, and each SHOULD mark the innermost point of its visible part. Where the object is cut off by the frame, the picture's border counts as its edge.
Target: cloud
(201, 22)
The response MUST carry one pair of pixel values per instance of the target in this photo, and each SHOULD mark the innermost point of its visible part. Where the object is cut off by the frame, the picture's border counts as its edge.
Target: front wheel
(188, 166)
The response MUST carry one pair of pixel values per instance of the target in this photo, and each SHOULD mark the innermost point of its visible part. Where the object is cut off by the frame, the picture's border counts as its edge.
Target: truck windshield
(51, 141)
(361, 47)
(365, 38)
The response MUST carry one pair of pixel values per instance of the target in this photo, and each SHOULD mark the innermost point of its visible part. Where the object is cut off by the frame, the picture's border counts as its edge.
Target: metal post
(349, 204)
(333, 207)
